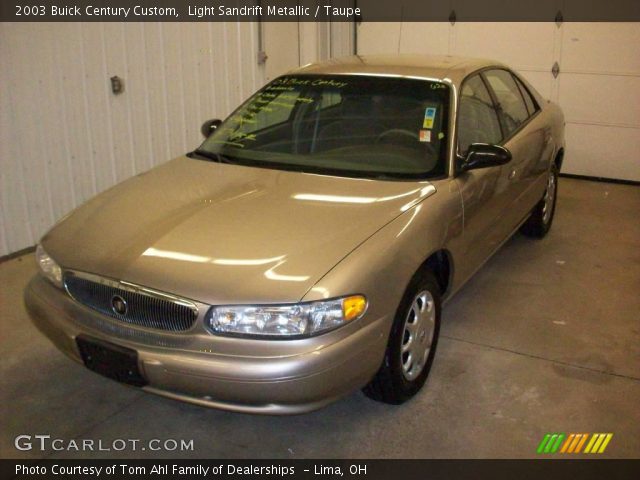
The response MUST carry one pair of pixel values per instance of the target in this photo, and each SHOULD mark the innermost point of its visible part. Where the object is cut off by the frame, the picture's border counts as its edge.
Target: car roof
(428, 66)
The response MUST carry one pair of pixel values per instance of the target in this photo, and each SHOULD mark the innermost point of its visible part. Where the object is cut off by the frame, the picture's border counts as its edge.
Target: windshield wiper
(216, 157)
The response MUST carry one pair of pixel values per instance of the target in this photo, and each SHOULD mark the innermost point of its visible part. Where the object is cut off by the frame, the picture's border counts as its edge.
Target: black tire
(391, 384)
(538, 224)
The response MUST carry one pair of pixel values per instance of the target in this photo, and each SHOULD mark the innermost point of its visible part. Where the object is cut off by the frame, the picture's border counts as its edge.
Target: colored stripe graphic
(606, 442)
(550, 443)
(591, 442)
(584, 439)
(556, 445)
(573, 443)
(543, 443)
(578, 437)
(598, 443)
(547, 448)
(596, 446)
(567, 442)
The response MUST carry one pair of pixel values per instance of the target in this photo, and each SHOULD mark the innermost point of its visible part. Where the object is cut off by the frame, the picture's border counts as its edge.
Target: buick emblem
(118, 305)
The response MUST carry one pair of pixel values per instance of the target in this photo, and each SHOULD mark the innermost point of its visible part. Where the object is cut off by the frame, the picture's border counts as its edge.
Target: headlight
(286, 320)
(49, 267)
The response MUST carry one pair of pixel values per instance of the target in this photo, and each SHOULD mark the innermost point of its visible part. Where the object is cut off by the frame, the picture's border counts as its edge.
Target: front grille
(143, 307)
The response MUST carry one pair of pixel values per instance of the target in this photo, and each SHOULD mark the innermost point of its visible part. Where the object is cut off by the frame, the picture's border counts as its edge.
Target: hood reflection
(271, 274)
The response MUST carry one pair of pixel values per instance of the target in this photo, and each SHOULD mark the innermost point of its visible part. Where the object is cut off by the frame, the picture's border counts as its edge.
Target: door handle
(512, 174)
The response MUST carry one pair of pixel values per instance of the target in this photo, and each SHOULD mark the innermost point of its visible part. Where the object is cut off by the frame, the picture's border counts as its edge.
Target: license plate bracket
(110, 360)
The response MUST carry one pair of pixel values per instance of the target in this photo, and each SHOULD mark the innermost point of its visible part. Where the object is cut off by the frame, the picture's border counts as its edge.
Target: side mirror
(209, 127)
(483, 155)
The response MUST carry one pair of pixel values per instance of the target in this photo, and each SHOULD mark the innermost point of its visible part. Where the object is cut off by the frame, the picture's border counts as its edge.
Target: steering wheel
(404, 133)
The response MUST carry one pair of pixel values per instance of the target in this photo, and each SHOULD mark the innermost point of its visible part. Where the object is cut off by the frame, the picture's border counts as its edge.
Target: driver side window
(477, 116)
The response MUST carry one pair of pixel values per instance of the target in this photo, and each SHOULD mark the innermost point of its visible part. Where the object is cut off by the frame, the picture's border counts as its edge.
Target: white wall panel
(341, 39)
(13, 204)
(65, 136)
(53, 138)
(425, 37)
(599, 89)
(139, 117)
(594, 147)
(507, 42)
(71, 92)
(120, 127)
(26, 193)
(279, 38)
(606, 100)
(99, 121)
(378, 37)
(601, 47)
(530, 48)
(543, 82)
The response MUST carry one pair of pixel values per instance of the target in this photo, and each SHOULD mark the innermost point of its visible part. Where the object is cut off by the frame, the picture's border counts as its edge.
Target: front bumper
(243, 375)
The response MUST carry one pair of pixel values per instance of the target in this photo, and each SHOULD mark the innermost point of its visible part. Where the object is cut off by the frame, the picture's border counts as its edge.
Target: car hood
(220, 233)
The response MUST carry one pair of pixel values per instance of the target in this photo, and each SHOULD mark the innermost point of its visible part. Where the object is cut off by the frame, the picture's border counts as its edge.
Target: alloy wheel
(418, 333)
(549, 197)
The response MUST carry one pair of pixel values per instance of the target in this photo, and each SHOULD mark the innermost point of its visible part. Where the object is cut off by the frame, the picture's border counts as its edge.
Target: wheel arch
(559, 158)
(440, 263)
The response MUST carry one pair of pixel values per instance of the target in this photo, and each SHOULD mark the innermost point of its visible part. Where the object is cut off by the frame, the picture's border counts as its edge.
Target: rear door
(526, 137)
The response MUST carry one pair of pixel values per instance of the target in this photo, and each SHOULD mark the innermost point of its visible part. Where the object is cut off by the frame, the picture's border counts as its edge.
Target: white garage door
(287, 45)
(598, 85)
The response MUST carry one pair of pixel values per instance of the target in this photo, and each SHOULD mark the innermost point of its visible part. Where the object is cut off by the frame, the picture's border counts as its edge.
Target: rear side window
(511, 104)
(477, 117)
(531, 104)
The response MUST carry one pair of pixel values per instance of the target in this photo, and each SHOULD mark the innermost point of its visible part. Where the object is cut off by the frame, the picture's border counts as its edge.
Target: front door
(484, 191)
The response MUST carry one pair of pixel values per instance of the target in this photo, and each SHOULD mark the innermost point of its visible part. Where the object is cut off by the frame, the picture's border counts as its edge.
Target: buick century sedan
(305, 249)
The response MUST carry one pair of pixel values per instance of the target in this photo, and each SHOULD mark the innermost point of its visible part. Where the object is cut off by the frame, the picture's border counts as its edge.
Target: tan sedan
(304, 250)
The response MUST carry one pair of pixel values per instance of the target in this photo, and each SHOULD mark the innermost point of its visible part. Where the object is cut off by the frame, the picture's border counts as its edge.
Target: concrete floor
(545, 338)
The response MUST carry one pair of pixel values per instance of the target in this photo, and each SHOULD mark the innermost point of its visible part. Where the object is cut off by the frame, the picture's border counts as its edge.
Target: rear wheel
(412, 343)
(539, 223)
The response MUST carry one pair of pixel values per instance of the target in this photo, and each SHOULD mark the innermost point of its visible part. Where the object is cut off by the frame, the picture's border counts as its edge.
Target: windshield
(364, 126)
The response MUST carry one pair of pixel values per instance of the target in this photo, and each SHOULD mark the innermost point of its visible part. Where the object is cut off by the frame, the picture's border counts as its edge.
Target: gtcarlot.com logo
(574, 443)
(47, 442)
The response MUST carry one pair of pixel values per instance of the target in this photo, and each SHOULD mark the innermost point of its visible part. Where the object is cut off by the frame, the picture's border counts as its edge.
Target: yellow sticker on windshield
(429, 116)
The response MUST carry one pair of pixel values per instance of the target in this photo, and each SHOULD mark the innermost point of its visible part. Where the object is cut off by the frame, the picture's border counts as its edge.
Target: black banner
(334, 469)
(320, 10)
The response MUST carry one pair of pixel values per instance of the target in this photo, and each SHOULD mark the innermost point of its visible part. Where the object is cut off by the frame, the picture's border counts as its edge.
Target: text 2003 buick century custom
(303, 251)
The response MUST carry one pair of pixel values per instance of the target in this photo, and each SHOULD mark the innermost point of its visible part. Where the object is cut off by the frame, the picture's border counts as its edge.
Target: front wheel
(412, 343)
(539, 223)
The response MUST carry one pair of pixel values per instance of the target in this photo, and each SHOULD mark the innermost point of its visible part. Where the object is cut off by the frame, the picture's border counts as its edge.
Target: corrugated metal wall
(65, 137)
